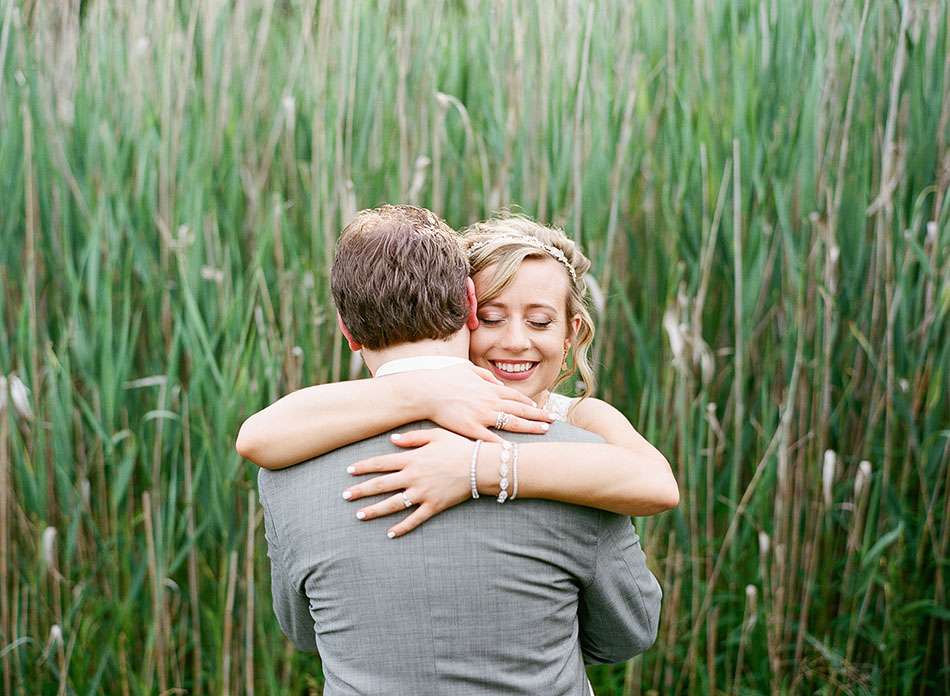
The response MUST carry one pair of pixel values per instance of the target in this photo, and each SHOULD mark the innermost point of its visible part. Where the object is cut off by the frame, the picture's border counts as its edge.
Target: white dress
(558, 405)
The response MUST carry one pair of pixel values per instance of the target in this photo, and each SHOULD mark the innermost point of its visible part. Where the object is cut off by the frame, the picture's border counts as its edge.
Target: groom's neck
(455, 346)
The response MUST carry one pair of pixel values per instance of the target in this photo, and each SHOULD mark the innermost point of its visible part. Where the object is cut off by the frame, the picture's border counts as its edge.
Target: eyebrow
(533, 305)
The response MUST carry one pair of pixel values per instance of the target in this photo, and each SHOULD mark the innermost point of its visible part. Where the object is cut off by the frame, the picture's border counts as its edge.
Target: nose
(515, 337)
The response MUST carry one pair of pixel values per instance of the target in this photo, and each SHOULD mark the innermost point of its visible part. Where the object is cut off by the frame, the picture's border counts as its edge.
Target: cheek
(478, 345)
(553, 351)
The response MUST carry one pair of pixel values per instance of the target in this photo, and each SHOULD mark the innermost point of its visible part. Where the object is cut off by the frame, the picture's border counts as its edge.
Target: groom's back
(482, 599)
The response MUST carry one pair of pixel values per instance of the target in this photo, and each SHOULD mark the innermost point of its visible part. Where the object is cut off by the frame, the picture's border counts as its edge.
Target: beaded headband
(526, 240)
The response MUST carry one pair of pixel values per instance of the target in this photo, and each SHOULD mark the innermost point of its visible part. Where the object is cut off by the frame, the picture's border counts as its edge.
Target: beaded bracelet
(514, 472)
(473, 470)
(503, 471)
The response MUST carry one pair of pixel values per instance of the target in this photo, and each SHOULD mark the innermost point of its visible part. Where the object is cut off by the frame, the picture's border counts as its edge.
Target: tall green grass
(762, 187)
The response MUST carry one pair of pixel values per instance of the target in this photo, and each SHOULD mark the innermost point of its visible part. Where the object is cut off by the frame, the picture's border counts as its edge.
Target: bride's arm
(627, 475)
(318, 419)
(315, 420)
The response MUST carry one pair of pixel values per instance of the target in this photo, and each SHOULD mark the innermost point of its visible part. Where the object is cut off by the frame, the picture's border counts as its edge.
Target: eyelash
(535, 324)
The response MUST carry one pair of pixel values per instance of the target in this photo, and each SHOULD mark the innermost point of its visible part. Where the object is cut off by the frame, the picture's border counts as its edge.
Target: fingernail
(351, 469)
(347, 494)
(361, 515)
(396, 436)
(544, 427)
(391, 535)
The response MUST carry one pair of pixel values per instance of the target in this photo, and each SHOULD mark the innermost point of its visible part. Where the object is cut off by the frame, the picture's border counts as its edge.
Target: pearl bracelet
(503, 471)
(473, 470)
(514, 472)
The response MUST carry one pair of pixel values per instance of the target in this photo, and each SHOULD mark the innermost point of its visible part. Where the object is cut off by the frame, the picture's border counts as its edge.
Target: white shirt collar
(417, 362)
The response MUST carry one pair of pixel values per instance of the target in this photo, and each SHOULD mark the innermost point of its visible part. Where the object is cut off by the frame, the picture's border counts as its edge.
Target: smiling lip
(513, 376)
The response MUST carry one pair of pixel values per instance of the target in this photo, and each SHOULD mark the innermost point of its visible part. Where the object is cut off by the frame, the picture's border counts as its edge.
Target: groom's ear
(472, 321)
(354, 344)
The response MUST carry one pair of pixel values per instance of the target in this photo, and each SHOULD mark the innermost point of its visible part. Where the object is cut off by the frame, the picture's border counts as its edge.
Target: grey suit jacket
(483, 599)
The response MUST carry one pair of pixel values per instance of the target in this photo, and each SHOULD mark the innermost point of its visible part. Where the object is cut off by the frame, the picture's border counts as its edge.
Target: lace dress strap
(558, 405)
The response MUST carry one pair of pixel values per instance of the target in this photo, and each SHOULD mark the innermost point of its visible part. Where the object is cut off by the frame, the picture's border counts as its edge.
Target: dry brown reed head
(495, 242)
(399, 277)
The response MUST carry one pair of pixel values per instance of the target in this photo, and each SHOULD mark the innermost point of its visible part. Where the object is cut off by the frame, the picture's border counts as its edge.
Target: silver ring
(405, 500)
(501, 422)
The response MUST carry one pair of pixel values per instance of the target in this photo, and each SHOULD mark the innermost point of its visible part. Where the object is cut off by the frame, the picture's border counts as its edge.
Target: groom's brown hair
(399, 276)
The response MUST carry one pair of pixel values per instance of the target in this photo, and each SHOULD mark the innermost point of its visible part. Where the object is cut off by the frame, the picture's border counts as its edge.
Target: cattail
(289, 106)
(443, 100)
(597, 297)
(675, 334)
(19, 395)
(418, 177)
(56, 642)
(752, 601)
(828, 475)
(861, 479)
(211, 273)
(751, 610)
(702, 353)
(55, 636)
(141, 46)
(49, 548)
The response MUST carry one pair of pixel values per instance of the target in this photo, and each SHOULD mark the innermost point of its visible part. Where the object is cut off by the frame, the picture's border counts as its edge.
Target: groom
(484, 599)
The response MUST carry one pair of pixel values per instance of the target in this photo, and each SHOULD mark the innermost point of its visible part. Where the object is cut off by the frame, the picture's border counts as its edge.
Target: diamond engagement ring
(501, 422)
(405, 500)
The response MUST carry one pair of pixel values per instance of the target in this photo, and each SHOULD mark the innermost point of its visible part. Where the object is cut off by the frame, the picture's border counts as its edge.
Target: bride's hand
(434, 476)
(467, 400)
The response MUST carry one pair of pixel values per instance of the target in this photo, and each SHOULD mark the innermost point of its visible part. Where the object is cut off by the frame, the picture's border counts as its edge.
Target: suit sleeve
(619, 609)
(291, 606)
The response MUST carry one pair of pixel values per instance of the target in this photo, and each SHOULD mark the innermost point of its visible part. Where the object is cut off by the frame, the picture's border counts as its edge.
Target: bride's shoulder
(591, 413)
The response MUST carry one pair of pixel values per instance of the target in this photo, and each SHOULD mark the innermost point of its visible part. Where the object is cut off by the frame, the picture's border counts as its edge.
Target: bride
(530, 333)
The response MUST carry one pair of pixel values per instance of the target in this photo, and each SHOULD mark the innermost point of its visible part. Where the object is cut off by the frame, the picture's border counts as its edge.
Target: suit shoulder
(567, 432)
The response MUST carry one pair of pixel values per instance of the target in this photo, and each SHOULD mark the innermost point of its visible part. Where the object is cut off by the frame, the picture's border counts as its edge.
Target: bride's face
(523, 333)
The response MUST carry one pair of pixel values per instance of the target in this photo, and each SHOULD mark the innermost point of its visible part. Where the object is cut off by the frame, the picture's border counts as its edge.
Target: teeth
(513, 367)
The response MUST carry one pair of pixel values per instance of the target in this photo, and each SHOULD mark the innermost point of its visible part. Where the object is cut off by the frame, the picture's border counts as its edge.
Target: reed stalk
(193, 584)
(176, 177)
(249, 622)
(228, 623)
(158, 597)
(6, 627)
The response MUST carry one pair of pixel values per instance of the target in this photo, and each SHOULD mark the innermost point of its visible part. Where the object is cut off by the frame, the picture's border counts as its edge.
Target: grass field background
(762, 188)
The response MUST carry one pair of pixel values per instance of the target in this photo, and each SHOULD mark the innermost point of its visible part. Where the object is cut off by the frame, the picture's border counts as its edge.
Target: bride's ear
(572, 334)
(354, 344)
(472, 321)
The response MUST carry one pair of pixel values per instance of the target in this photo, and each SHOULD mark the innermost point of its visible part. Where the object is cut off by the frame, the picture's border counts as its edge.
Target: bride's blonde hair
(506, 241)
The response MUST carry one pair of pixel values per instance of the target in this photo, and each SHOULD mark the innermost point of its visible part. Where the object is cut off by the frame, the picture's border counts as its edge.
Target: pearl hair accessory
(526, 240)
